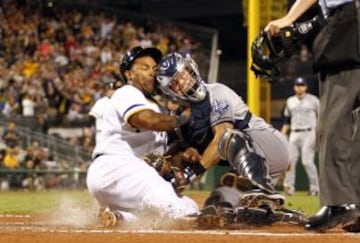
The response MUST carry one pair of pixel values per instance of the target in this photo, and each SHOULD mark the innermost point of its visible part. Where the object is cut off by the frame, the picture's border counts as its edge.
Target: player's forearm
(155, 121)
(210, 156)
(299, 7)
(285, 129)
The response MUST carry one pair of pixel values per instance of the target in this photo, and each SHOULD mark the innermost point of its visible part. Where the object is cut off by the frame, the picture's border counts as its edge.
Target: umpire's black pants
(339, 141)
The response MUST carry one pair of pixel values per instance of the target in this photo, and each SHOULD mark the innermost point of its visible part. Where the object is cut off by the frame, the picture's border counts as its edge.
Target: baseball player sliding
(129, 125)
(300, 116)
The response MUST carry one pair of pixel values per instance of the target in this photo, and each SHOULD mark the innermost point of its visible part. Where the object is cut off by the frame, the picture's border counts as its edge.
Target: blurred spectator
(11, 106)
(12, 162)
(10, 136)
(27, 105)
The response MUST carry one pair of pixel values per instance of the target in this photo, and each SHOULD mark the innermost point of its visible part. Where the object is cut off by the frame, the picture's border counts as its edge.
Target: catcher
(221, 127)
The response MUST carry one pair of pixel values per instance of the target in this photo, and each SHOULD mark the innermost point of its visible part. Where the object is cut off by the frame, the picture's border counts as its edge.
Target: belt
(302, 130)
(97, 156)
(243, 124)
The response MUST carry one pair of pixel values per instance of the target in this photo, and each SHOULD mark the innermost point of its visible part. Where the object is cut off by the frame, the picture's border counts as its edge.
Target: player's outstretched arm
(155, 121)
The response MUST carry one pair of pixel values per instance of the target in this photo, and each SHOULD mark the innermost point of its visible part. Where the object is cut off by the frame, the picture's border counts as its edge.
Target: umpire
(337, 61)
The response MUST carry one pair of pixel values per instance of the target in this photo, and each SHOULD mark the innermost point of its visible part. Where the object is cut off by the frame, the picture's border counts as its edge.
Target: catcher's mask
(175, 67)
(269, 53)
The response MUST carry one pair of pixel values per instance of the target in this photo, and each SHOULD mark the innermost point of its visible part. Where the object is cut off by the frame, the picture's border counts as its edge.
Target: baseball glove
(160, 162)
(171, 169)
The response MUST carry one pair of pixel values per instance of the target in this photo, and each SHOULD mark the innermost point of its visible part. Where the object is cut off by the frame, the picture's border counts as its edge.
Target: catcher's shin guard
(236, 147)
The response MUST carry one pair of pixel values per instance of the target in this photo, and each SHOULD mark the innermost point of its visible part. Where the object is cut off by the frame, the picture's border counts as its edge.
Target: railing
(60, 149)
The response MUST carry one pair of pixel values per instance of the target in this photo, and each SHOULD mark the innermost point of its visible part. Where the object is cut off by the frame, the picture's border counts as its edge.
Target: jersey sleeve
(97, 109)
(286, 113)
(128, 101)
(222, 104)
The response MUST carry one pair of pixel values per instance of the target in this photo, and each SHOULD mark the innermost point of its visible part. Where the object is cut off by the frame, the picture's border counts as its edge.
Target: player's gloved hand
(191, 156)
(160, 162)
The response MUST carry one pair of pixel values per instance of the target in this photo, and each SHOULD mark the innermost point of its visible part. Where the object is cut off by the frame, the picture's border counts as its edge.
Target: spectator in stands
(11, 136)
(27, 105)
(11, 106)
(12, 162)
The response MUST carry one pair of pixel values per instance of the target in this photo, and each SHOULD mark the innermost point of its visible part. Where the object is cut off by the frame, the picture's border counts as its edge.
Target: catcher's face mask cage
(179, 78)
(267, 56)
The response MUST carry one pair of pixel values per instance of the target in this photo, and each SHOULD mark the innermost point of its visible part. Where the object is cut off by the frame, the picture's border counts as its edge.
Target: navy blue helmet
(170, 67)
(135, 53)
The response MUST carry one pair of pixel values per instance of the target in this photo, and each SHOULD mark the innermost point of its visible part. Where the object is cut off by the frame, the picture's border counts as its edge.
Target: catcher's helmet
(267, 53)
(137, 52)
(171, 67)
(270, 52)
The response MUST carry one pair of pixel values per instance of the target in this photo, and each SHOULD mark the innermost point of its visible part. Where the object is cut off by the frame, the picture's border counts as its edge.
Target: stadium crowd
(52, 62)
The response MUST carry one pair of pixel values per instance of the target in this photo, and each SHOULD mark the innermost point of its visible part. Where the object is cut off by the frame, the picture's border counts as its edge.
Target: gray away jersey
(227, 106)
(302, 112)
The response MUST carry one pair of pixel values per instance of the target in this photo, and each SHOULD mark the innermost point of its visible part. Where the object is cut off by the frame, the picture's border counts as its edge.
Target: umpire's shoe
(330, 216)
(108, 218)
(257, 199)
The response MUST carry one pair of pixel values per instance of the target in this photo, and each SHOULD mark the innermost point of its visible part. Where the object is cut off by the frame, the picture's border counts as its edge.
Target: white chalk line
(9, 226)
(14, 216)
(38, 229)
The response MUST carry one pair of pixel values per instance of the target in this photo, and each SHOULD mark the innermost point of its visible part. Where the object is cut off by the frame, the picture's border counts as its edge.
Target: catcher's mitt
(171, 169)
(160, 162)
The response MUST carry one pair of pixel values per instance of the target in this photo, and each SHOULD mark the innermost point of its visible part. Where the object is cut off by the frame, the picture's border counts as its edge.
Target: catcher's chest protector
(198, 132)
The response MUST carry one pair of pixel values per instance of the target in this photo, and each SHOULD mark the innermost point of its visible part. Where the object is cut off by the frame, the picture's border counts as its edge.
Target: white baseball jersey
(118, 178)
(268, 142)
(302, 112)
(120, 136)
(97, 111)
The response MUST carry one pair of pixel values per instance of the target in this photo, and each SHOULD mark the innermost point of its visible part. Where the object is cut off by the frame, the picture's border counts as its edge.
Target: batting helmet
(136, 52)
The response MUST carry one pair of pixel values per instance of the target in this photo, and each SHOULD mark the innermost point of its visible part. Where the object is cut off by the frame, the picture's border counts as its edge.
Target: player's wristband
(198, 169)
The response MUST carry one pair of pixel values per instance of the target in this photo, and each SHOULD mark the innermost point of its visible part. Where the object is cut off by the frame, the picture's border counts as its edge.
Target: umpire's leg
(338, 94)
(355, 152)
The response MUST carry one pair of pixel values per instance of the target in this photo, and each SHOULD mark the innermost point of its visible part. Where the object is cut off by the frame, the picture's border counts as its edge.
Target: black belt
(97, 156)
(302, 130)
(243, 124)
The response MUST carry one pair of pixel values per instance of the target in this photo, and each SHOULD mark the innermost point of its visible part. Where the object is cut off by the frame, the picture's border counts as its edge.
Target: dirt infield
(30, 229)
(55, 228)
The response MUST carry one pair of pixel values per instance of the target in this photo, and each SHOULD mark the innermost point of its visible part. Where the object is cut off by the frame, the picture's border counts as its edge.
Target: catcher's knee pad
(236, 147)
(232, 142)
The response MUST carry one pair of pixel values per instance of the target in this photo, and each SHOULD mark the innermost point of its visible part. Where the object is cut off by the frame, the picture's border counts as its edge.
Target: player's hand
(273, 27)
(191, 155)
